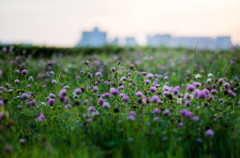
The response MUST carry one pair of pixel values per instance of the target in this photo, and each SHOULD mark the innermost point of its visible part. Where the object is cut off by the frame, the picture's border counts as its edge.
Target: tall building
(130, 42)
(93, 38)
(190, 42)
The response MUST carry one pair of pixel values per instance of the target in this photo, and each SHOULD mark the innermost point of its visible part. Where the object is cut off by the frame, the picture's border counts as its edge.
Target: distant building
(190, 42)
(93, 38)
(130, 42)
(115, 41)
(223, 42)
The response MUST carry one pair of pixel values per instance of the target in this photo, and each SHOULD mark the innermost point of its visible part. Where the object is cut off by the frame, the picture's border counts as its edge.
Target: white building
(93, 38)
(130, 42)
(190, 42)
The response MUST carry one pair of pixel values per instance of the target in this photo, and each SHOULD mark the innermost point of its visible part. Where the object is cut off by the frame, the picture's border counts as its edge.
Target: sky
(61, 22)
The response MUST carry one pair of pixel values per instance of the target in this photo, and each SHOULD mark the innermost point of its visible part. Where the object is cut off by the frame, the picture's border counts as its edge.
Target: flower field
(133, 102)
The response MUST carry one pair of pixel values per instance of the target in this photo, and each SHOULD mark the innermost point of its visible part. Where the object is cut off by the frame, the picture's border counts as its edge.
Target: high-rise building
(93, 38)
(190, 42)
(130, 42)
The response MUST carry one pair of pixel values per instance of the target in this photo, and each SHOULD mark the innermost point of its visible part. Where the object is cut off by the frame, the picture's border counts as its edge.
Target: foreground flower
(41, 117)
(51, 101)
(25, 96)
(125, 99)
(24, 72)
(106, 105)
(209, 132)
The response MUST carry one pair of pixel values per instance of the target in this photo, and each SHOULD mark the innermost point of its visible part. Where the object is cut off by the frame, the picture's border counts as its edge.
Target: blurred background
(67, 23)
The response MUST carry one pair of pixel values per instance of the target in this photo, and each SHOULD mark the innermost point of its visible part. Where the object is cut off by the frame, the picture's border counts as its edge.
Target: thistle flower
(95, 89)
(25, 96)
(24, 72)
(98, 74)
(114, 91)
(139, 94)
(91, 109)
(155, 99)
(113, 69)
(100, 101)
(156, 111)
(68, 106)
(125, 99)
(54, 81)
(153, 89)
(190, 88)
(51, 102)
(155, 118)
(209, 132)
(197, 84)
(147, 81)
(106, 105)
(77, 91)
(150, 76)
(106, 95)
(40, 118)
(52, 95)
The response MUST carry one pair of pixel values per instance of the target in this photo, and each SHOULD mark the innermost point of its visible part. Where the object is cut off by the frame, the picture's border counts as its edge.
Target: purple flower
(147, 81)
(139, 94)
(214, 91)
(68, 106)
(125, 99)
(95, 89)
(121, 87)
(183, 112)
(155, 118)
(114, 91)
(113, 69)
(77, 91)
(197, 84)
(106, 105)
(209, 132)
(155, 99)
(132, 113)
(226, 85)
(130, 117)
(165, 78)
(89, 120)
(98, 74)
(106, 95)
(54, 81)
(41, 117)
(156, 111)
(201, 94)
(175, 90)
(62, 92)
(78, 77)
(100, 101)
(150, 76)
(195, 118)
(188, 114)
(190, 88)
(90, 75)
(220, 100)
(25, 96)
(24, 72)
(1, 103)
(153, 89)
(91, 108)
(187, 103)
(165, 93)
(51, 101)
(16, 81)
(52, 95)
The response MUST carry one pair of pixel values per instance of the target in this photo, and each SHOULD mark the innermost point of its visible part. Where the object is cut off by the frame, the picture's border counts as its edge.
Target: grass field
(138, 102)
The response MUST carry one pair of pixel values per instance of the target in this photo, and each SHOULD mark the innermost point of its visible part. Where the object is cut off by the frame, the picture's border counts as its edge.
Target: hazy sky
(60, 22)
